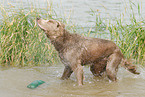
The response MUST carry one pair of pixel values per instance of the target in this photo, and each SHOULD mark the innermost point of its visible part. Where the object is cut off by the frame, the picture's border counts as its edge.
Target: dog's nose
(38, 18)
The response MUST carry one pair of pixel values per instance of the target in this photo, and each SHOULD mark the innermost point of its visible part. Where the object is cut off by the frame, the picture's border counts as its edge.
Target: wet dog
(75, 51)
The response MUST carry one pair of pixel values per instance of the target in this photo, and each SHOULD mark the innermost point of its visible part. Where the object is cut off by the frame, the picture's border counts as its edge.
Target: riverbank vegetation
(22, 43)
(130, 37)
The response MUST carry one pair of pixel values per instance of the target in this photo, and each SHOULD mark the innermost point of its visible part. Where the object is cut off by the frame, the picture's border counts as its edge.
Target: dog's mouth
(38, 23)
(41, 27)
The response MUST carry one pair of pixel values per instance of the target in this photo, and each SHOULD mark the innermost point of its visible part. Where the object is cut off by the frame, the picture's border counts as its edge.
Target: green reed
(129, 37)
(22, 43)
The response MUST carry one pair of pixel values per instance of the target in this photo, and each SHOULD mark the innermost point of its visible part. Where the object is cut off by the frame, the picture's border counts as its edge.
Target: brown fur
(75, 51)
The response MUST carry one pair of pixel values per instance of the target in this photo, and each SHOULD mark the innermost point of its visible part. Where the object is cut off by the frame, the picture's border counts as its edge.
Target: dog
(75, 51)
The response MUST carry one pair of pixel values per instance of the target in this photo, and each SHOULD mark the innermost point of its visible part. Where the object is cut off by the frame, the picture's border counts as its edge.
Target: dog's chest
(71, 54)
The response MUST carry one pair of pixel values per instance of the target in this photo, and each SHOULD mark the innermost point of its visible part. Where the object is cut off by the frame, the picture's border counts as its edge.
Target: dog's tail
(129, 66)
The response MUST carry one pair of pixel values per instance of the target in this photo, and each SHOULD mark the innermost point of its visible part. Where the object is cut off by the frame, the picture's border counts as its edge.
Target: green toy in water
(35, 84)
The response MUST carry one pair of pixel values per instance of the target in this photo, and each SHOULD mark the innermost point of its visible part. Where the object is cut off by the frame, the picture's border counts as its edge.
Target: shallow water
(14, 83)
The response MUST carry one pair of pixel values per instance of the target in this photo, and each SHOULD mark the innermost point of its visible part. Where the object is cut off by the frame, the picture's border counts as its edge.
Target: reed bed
(22, 42)
(129, 37)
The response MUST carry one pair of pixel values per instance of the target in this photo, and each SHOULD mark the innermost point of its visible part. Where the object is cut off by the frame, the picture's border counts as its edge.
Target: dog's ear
(60, 24)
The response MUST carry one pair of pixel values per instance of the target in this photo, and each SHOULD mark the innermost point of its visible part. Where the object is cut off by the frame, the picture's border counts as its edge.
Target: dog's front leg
(78, 70)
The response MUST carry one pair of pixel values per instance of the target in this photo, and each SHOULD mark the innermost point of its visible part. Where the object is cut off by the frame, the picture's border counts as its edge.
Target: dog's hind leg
(98, 68)
(112, 65)
(67, 72)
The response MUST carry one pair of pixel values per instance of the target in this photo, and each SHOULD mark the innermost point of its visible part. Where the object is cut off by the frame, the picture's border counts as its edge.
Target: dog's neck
(60, 43)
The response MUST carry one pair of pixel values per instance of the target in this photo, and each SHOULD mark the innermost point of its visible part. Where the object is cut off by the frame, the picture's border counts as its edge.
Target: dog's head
(52, 28)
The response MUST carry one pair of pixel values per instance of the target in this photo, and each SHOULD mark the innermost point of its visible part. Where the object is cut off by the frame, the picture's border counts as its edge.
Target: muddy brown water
(14, 81)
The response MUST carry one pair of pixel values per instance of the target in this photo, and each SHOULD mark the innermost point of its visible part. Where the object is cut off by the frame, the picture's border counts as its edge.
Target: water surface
(82, 12)
(14, 83)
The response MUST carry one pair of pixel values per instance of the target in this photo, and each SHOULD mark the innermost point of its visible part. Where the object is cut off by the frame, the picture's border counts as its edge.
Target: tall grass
(129, 37)
(22, 43)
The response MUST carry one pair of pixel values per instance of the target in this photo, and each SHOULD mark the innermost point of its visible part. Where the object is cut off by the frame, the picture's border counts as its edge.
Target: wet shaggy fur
(75, 51)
